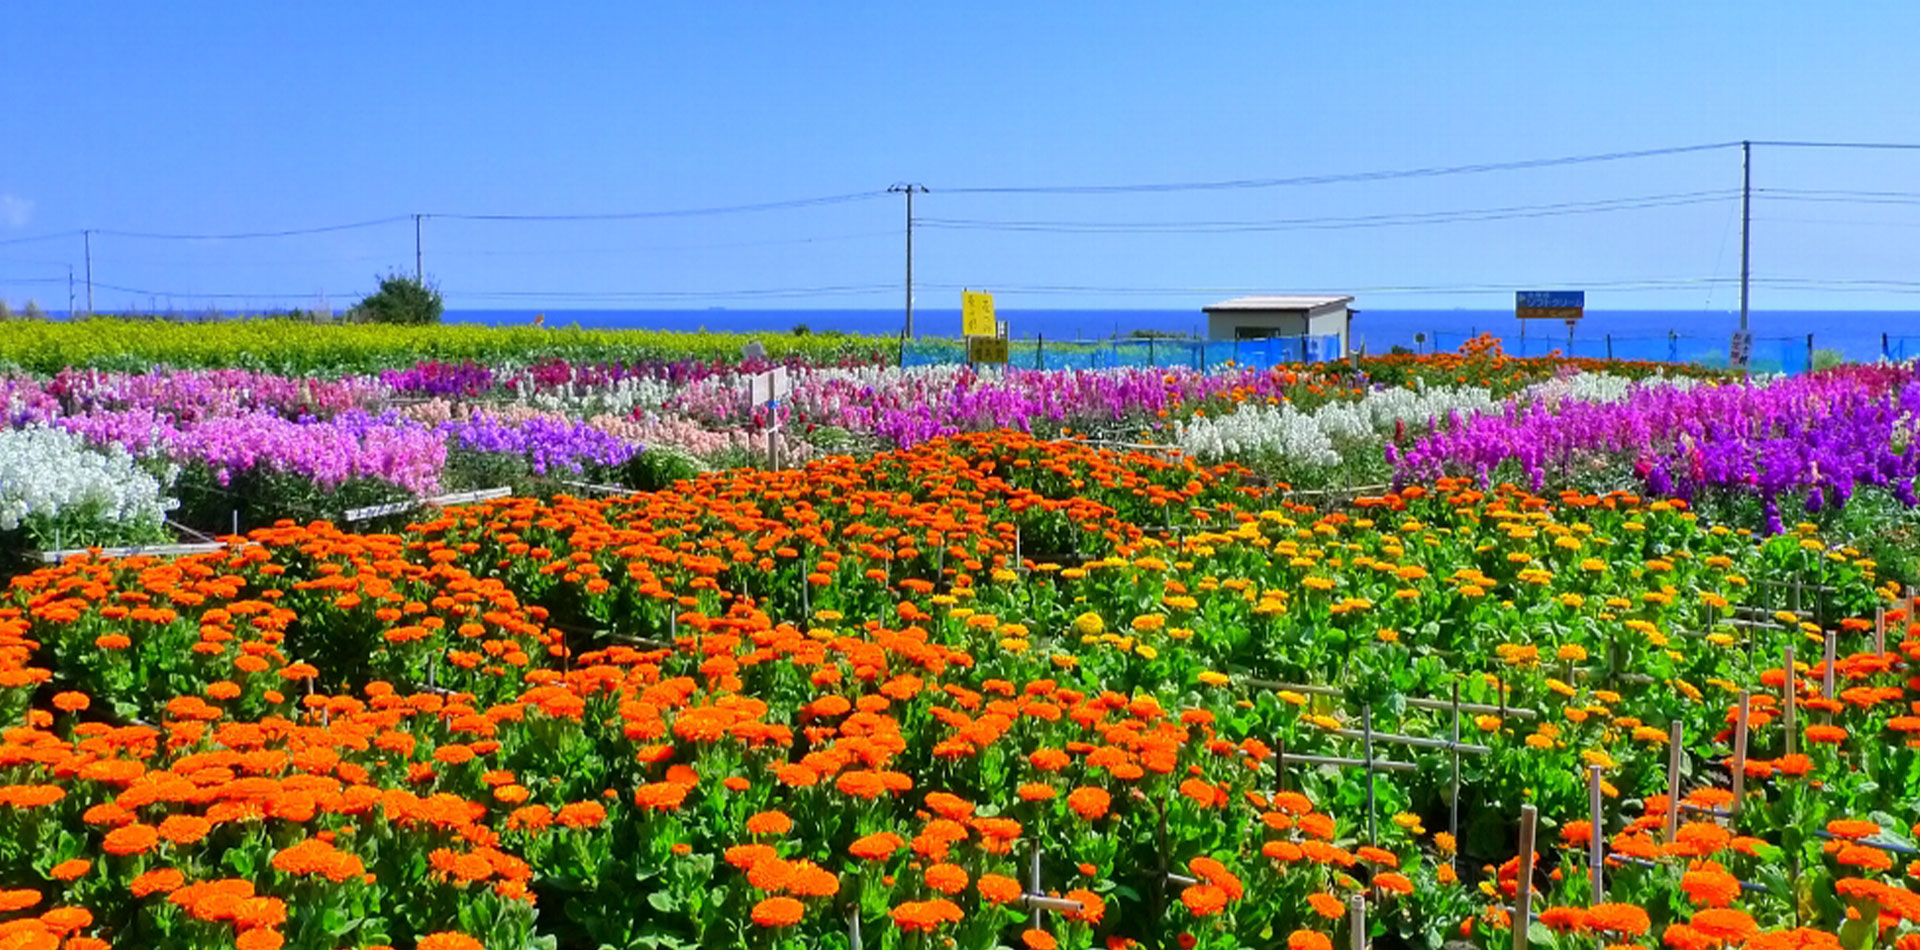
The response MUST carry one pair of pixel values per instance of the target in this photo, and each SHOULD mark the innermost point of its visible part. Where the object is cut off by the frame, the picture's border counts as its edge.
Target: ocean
(1787, 337)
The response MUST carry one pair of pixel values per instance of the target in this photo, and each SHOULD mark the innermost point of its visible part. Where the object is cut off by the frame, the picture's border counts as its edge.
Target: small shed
(1298, 316)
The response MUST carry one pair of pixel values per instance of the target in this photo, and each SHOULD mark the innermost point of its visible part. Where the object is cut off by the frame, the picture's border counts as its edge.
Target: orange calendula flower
(778, 912)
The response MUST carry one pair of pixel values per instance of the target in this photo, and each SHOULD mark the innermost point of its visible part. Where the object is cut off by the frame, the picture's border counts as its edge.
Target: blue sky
(206, 118)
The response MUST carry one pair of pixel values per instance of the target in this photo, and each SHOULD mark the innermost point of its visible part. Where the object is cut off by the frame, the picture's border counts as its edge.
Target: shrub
(401, 299)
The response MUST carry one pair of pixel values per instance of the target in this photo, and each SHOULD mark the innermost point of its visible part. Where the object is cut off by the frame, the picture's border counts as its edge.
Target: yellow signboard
(976, 314)
(981, 349)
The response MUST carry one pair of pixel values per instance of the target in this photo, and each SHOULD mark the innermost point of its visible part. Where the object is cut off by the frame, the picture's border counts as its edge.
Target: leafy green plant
(405, 300)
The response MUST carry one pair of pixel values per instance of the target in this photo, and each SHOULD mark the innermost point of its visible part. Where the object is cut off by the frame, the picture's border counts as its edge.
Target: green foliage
(409, 301)
(302, 348)
(1827, 359)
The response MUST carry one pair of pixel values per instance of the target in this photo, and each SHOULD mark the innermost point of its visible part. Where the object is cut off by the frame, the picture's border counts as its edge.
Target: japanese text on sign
(976, 314)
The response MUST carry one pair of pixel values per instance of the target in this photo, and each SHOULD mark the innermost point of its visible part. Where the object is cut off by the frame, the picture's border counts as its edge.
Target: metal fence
(1774, 354)
(1040, 353)
(1783, 354)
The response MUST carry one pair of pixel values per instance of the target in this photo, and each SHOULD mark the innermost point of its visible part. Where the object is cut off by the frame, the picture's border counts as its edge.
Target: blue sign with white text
(1551, 299)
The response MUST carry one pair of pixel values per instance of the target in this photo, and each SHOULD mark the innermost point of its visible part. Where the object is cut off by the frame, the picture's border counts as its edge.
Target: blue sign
(1551, 299)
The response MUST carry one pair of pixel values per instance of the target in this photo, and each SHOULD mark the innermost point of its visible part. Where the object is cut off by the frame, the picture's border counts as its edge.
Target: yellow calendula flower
(1473, 590)
(834, 616)
(1072, 573)
(1089, 624)
(1214, 678)
(1597, 757)
(1003, 576)
(1519, 557)
(1180, 602)
(1317, 582)
(1567, 543)
(1486, 723)
(1572, 600)
(1292, 698)
(1147, 653)
(1410, 822)
(1180, 633)
(1410, 572)
(1561, 688)
(1607, 696)
(1571, 652)
(1593, 565)
(1385, 635)
(1538, 741)
(962, 613)
(1014, 645)
(1146, 623)
(1324, 722)
(943, 600)
(1013, 630)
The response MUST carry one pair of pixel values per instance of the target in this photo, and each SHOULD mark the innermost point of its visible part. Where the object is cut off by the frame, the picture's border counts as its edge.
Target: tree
(400, 299)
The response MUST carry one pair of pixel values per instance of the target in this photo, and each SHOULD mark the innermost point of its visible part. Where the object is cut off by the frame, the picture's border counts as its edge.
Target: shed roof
(1279, 302)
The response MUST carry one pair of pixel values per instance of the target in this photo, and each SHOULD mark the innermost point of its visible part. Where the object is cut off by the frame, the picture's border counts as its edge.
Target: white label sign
(1740, 350)
(771, 386)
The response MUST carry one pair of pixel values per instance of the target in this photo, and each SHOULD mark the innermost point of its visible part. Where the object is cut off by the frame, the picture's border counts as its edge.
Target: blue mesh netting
(1107, 354)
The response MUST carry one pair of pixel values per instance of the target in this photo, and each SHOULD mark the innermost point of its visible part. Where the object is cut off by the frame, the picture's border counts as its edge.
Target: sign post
(767, 389)
(1567, 305)
(1740, 349)
(986, 335)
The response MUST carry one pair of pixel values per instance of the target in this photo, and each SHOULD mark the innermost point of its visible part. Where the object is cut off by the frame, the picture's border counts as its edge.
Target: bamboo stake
(1357, 921)
(1366, 726)
(1596, 838)
(1740, 751)
(1791, 689)
(1675, 733)
(1523, 899)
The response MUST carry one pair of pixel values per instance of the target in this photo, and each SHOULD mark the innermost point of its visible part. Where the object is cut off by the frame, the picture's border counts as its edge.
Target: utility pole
(87, 236)
(1746, 225)
(418, 273)
(69, 291)
(908, 189)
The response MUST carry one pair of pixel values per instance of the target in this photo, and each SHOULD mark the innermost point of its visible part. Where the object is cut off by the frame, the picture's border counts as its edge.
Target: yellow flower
(1324, 722)
(1593, 565)
(1214, 678)
(1567, 543)
(1149, 653)
(1443, 841)
(1004, 576)
(1013, 630)
(1410, 822)
(1411, 572)
(1014, 645)
(1472, 590)
(830, 616)
(1571, 652)
(1292, 698)
(1388, 636)
(1487, 723)
(1572, 600)
(1089, 624)
(1319, 583)
(1146, 623)
(1597, 757)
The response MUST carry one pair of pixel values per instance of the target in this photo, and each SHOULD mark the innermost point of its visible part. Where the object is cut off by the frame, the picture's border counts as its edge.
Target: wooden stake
(1523, 898)
(1880, 629)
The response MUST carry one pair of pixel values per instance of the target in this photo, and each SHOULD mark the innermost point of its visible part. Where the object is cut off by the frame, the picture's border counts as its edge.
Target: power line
(42, 237)
(1336, 223)
(1429, 172)
(247, 235)
(682, 213)
(1880, 146)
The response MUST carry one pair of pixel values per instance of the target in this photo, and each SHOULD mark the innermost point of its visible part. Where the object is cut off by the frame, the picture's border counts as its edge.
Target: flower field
(235, 447)
(983, 690)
